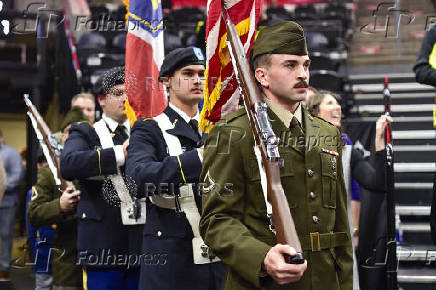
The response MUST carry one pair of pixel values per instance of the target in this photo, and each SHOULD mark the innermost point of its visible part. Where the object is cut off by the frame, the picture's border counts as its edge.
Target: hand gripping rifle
(266, 141)
(391, 242)
(51, 148)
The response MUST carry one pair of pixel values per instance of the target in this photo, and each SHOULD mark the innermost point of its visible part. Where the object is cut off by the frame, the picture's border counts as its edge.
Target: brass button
(312, 195)
(159, 233)
(334, 174)
(310, 172)
(315, 219)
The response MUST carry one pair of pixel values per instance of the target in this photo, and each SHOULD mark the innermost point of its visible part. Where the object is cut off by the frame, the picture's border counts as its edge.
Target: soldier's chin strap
(201, 252)
(269, 212)
(132, 212)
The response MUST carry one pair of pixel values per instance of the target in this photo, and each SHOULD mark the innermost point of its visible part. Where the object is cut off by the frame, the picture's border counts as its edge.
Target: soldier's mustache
(302, 84)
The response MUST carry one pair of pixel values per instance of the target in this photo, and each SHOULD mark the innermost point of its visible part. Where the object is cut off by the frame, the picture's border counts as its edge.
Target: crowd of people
(134, 217)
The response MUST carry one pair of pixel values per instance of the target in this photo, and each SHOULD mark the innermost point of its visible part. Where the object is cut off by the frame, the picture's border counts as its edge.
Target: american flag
(221, 94)
(144, 56)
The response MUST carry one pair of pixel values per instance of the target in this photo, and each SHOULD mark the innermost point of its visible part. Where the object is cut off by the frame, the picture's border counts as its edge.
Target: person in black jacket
(107, 249)
(425, 73)
(425, 67)
(165, 159)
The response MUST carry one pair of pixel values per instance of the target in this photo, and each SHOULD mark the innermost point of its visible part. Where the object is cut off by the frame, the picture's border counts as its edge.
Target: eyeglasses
(116, 92)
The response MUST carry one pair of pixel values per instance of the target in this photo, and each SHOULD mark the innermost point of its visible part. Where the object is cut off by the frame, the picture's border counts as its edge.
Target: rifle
(391, 241)
(51, 148)
(267, 143)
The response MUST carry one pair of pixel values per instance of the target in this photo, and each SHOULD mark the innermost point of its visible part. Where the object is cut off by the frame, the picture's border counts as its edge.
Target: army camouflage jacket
(234, 222)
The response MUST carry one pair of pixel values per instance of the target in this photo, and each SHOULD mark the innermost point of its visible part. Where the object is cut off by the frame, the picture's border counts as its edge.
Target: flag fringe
(126, 3)
(130, 113)
(206, 125)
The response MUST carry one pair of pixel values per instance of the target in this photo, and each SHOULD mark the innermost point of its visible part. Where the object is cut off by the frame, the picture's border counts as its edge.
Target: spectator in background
(14, 173)
(167, 7)
(426, 63)
(2, 180)
(311, 91)
(425, 70)
(87, 103)
(40, 241)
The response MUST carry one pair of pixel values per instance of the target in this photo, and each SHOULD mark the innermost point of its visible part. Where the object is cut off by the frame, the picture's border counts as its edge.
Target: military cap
(179, 58)
(109, 79)
(74, 115)
(281, 38)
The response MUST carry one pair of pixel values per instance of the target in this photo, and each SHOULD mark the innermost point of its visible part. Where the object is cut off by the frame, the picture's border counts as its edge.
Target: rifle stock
(51, 147)
(266, 141)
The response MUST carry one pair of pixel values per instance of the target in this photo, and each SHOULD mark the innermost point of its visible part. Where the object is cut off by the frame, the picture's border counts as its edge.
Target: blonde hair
(83, 95)
(315, 101)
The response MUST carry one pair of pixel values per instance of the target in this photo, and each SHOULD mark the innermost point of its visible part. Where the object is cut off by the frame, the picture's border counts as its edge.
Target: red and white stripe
(221, 88)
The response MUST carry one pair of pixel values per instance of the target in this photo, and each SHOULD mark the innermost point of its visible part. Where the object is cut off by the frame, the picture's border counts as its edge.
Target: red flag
(221, 94)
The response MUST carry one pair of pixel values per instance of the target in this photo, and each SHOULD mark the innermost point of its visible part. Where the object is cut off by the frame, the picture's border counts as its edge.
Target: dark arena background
(53, 50)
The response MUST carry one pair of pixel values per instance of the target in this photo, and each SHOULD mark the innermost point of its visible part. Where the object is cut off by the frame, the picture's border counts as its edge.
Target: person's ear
(101, 100)
(166, 81)
(262, 76)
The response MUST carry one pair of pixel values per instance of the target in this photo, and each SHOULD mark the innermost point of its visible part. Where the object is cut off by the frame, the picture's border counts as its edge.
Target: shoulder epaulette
(309, 116)
(85, 122)
(323, 120)
(148, 119)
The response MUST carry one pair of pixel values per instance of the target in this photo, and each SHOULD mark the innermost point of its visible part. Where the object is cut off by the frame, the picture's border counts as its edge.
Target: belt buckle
(315, 241)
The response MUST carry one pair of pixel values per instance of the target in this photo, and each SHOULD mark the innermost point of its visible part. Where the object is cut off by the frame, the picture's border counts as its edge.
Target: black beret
(108, 80)
(179, 58)
(281, 38)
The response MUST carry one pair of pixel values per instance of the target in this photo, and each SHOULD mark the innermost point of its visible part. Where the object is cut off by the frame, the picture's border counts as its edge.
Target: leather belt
(316, 242)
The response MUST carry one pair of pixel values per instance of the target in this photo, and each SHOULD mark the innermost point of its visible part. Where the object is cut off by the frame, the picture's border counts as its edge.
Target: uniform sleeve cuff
(190, 166)
(119, 155)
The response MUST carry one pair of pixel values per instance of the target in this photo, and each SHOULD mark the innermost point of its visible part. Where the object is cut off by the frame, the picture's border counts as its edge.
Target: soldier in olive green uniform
(234, 223)
(49, 206)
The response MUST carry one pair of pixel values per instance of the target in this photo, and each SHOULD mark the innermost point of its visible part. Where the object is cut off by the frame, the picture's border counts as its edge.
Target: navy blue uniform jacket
(167, 234)
(100, 229)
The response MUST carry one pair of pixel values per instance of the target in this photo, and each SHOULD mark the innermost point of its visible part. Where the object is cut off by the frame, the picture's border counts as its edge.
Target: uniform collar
(112, 124)
(283, 114)
(180, 126)
(183, 114)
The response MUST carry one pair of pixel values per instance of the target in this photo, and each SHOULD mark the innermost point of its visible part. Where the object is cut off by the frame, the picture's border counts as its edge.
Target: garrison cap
(281, 38)
(179, 58)
(74, 115)
(108, 80)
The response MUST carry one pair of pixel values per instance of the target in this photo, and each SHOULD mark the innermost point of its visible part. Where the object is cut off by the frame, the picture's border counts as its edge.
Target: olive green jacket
(44, 210)
(234, 222)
